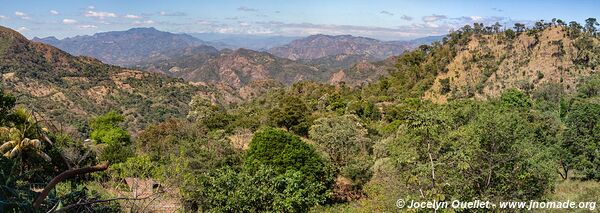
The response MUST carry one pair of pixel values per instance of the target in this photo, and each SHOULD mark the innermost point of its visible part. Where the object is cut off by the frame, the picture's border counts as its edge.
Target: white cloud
(132, 16)
(22, 29)
(147, 22)
(91, 7)
(3, 17)
(87, 26)
(476, 18)
(100, 15)
(69, 21)
(411, 27)
(203, 22)
(163, 13)
(22, 15)
(433, 18)
(54, 12)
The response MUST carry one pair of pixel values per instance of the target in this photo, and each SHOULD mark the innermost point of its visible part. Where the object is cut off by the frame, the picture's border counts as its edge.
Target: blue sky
(385, 19)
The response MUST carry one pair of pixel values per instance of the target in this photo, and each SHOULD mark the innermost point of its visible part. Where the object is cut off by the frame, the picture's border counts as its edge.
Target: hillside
(364, 72)
(123, 47)
(70, 89)
(318, 46)
(484, 65)
(236, 68)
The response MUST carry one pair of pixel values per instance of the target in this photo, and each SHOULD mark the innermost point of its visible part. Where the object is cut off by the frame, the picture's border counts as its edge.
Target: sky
(381, 19)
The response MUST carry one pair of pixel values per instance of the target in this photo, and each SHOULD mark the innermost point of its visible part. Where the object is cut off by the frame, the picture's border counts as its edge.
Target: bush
(284, 152)
(106, 130)
(515, 98)
(259, 190)
(292, 114)
(582, 138)
(444, 86)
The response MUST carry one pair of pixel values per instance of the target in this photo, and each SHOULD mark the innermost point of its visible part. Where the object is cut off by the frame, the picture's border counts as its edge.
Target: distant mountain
(70, 89)
(235, 41)
(236, 68)
(363, 72)
(318, 46)
(124, 47)
(425, 40)
(335, 62)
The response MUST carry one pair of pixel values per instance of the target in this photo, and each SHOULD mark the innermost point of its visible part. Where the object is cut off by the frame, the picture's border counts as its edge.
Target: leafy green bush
(515, 98)
(284, 152)
(261, 189)
(582, 138)
(292, 114)
(107, 130)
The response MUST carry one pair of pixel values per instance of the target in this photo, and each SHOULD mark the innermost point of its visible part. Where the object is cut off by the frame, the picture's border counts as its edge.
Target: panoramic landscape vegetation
(338, 118)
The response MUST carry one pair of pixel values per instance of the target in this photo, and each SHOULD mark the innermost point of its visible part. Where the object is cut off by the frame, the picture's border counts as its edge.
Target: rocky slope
(236, 68)
(363, 72)
(486, 65)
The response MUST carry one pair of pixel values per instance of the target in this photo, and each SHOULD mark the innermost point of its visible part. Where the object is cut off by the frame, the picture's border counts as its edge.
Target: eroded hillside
(486, 65)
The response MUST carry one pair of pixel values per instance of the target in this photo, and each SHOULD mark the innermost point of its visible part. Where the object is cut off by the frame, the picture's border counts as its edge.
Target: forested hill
(69, 90)
(480, 62)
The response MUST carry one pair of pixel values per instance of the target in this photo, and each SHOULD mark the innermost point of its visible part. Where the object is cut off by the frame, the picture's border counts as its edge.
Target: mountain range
(235, 68)
(137, 45)
(236, 41)
(123, 47)
(318, 46)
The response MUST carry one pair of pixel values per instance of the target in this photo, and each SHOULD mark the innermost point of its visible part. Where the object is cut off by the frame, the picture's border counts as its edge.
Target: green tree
(590, 25)
(7, 102)
(466, 150)
(201, 108)
(510, 34)
(261, 189)
(507, 155)
(106, 130)
(590, 87)
(515, 98)
(284, 151)
(342, 137)
(519, 28)
(346, 142)
(292, 114)
(582, 138)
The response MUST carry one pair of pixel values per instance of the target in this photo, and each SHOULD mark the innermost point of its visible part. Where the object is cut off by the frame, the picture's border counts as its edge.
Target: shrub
(259, 190)
(106, 130)
(284, 151)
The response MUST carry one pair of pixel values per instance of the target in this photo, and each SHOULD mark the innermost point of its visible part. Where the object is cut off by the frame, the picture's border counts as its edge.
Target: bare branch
(65, 175)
